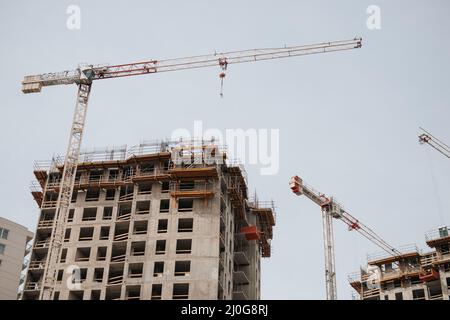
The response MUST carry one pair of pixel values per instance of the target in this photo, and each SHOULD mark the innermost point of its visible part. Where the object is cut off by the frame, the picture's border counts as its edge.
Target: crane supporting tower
(332, 209)
(84, 76)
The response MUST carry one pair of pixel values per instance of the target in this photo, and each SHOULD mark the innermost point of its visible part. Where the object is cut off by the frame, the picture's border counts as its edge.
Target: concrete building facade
(411, 276)
(156, 221)
(14, 246)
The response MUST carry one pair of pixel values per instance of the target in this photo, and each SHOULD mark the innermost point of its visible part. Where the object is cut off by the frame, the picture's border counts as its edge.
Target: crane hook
(223, 65)
(221, 76)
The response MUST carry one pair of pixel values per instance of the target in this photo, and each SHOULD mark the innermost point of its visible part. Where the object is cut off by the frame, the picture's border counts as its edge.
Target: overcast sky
(348, 121)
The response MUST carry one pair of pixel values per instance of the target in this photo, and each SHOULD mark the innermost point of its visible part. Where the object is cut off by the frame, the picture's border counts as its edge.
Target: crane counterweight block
(296, 185)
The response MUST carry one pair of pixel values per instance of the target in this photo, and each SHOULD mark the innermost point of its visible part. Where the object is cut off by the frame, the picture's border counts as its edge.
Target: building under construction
(161, 220)
(413, 275)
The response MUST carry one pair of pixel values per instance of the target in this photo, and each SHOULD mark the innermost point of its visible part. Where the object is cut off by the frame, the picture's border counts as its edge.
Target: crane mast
(332, 209)
(84, 76)
(428, 138)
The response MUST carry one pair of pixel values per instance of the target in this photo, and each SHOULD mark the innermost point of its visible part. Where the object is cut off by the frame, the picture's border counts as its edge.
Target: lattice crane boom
(428, 138)
(332, 209)
(89, 73)
(84, 76)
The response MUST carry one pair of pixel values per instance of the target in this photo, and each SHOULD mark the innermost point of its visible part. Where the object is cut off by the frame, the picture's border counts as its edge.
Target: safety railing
(435, 234)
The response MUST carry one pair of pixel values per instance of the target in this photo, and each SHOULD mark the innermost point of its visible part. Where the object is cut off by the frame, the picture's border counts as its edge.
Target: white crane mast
(84, 76)
(332, 209)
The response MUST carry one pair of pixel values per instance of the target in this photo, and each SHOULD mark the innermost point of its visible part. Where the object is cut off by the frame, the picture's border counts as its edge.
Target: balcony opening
(67, 235)
(95, 175)
(180, 291)
(95, 294)
(107, 213)
(71, 214)
(86, 234)
(124, 211)
(135, 270)
(398, 296)
(162, 225)
(76, 295)
(133, 292)
(147, 168)
(113, 292)
(104, 233)
(185, 205)
(54, 177)
(82, 254)
(182, 268)
(164, 205)
(101, 253)
(115, 274)
(89, 214)
(50, 199)
(187, 185)
(165, 165)
(160, 247)
(118, 252)
(110, 194)
(184, 246)
(165, 186)
(63, 255)
(143, 207)
(145, 188)
(42, 238)
(98, 274)
(121, 231)
(92, 195)
(113, 175)
(138, 248)
(140, 227)
(156, 291)
(47, 217)
(128, 172)
(158, 269)
(126, 192)
(38, 260)
(185, 225)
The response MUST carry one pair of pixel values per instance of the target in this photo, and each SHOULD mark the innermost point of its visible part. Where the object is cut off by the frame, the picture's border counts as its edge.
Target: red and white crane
(428, 138)
(83, 77)
(332, 209)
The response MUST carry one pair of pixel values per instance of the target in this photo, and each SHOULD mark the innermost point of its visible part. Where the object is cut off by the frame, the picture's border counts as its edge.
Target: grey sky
(348, 120)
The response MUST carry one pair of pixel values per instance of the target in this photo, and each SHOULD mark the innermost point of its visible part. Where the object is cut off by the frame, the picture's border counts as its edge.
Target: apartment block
(161, 220)
(14, 247)
(413, 275)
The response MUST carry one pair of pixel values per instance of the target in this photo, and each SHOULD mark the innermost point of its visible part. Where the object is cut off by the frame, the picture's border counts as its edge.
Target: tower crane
(84, 76)
(426, 137)
(332, 209)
